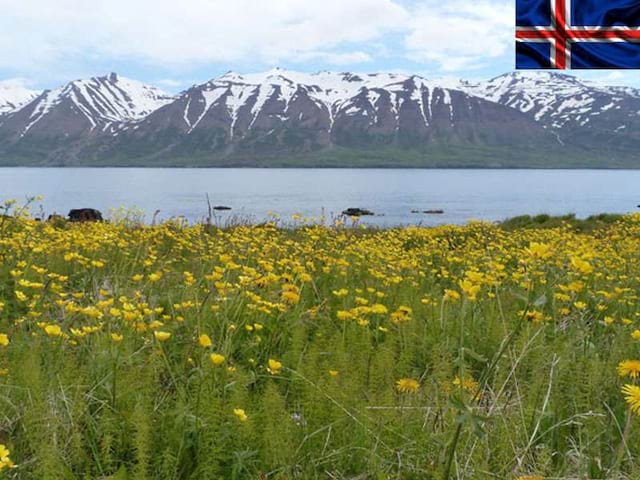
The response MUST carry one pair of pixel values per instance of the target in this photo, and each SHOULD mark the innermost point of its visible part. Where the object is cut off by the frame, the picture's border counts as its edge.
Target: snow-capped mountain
(284, 111)
(560, 101)
(85, 107)
(249, 119)
(13, 96)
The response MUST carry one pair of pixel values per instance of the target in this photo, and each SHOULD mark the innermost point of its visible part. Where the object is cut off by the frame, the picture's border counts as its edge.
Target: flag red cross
(562, 35)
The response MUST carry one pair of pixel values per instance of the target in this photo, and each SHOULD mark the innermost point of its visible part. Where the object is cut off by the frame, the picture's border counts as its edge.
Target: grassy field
(329, 352)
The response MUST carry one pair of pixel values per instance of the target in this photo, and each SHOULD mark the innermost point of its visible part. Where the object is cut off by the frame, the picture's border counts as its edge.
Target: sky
(177, 43)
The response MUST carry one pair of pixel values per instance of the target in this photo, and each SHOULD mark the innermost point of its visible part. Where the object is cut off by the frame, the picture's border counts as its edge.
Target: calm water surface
(391, 193)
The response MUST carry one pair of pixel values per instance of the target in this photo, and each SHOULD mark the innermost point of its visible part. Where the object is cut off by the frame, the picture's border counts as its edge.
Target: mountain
(13, 96)
(579, 112)
(280, 113)
(286, 118)
(82, 108)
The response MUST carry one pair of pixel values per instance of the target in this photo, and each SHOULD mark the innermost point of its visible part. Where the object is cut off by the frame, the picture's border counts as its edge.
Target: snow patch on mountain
(14, 95)
(554, 99)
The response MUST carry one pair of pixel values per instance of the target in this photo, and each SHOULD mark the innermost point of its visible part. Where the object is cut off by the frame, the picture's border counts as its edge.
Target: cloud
(460, 35)
(348, 58)
(40, 34)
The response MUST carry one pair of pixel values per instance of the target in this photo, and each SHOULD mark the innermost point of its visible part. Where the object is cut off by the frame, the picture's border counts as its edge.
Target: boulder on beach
(85, 215)
(357, 212)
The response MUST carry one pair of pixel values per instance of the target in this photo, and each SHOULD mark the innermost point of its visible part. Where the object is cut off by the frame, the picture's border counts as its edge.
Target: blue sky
(173, 44)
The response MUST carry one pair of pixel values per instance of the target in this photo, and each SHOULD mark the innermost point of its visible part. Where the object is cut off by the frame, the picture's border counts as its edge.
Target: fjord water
(392, 194)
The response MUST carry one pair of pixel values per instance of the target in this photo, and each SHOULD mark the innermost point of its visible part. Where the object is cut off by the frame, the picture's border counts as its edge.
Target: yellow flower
(162, 336)
(5, 461)
(333, 373)
(534, 316)
(580, 305)
(468, 384)
(379, 308)
(4, 339)
(629, 368)
(407, 385)
(204, 340)
(217, 359)
(470, 289)
(154, 277)
(53, 330)
(581, 266)
(538, 250)
(632, 396)
(635, 334)
(290, 296)
(451, 295)
(240, 414)
(116, 338)
(273, 366)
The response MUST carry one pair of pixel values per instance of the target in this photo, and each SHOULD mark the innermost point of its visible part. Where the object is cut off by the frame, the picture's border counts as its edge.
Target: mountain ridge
(280, 114)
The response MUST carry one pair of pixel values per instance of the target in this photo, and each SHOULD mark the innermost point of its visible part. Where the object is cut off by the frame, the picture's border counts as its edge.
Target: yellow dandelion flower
(53, 330)
(240, 414)
(216, 359)
(630, 368)
(4, 339)
(5, 461)
(632, 396)
(451, 295)
(273, 366)
(407, 385)
(204, 341)
(154, 277)
(162, 336)
(116, 338)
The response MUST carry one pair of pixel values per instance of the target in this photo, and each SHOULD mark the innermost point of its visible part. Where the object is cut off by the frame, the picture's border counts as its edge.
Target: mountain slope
(83, 107)
(581, 113)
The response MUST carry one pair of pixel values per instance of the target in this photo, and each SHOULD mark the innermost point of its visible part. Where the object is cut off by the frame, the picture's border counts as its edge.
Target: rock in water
(357, 212)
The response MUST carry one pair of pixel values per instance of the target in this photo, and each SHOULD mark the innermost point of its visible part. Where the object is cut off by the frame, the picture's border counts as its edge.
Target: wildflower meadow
(176, 351)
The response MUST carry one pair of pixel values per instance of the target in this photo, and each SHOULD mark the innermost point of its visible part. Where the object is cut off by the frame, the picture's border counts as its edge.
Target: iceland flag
(586, 34)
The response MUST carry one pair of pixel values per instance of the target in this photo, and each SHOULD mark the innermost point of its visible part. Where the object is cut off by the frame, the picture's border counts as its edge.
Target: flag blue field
(579, 34)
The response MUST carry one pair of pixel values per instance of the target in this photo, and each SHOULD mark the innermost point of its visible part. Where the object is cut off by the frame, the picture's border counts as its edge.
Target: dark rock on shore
(85, 215)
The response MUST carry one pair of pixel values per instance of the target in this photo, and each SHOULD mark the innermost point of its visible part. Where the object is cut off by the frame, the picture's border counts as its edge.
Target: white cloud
(348, 58)
(459, 35)
(38, 34)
